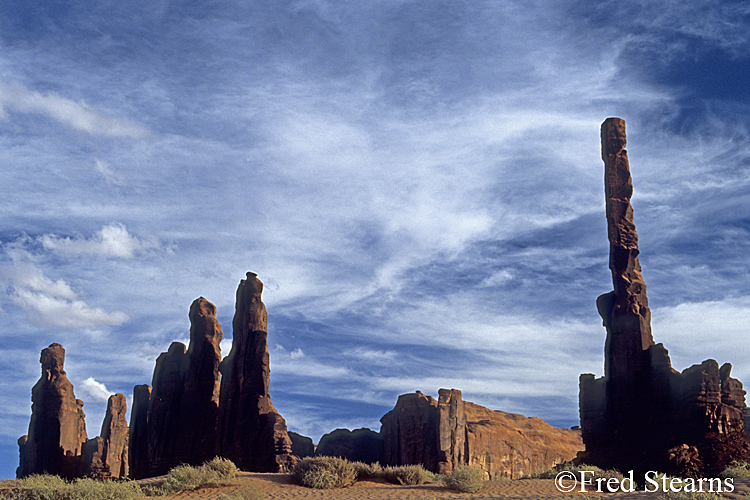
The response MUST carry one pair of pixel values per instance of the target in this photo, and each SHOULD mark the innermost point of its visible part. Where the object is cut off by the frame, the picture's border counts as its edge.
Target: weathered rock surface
(57, 430)
(446, 432)
(359, 445)
(200, 394)
(302, 446)
(251, 432)
(164, 410)
(115, 436)
(183, 407)
(138, 432)
(644, 415)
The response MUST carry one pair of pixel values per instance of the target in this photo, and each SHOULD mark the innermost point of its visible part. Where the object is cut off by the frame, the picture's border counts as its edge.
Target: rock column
(57, 431)
(251, 432)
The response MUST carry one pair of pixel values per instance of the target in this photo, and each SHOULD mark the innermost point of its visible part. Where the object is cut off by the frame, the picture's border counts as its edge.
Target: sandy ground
(280, 487)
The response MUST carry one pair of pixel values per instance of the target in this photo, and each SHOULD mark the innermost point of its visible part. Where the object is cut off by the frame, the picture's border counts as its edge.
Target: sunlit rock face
(644, 415)
(445, 432)
(57, 430)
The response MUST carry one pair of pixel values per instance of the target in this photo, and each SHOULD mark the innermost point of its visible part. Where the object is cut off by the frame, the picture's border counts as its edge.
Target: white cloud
(108, 174)
(51, 303)
(111, 241)
(73, 114)
(90, 389)
(696, 331)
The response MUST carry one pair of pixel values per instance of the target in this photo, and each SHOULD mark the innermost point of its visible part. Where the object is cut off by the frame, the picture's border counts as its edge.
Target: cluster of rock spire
(199, 406)
(641, 415)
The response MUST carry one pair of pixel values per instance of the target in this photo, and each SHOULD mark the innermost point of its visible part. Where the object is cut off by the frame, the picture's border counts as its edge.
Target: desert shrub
(188, 477)
(44, 487)
(224, 467)
(368, 471)
(243, 494)
(435, 477)
(465, 478)
(576, 469)
(324, 472)
(39, 487)
(692, 495)
(409, 475)
(736, 470)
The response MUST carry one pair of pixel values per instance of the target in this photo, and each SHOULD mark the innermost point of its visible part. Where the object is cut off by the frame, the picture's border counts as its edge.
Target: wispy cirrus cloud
(15, 97)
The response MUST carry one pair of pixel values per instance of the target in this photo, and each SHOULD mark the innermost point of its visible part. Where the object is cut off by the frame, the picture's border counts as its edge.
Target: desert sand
(281, 487)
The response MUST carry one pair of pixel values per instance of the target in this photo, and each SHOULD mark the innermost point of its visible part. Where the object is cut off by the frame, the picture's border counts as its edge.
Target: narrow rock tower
(251, 432)
(644, 415)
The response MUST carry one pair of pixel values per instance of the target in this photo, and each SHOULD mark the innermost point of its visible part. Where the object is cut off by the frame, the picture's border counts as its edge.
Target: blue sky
(417, 183)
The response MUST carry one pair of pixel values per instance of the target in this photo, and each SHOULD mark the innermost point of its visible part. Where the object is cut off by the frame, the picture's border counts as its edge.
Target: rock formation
(106, 456)
(359, 445)
(164, 410)
(138, 432)
(251, 432)
(302, 446)
(115, 435)
(643, 414)
(57, 431)
(446, 432)
(200, 395)
(183, 407)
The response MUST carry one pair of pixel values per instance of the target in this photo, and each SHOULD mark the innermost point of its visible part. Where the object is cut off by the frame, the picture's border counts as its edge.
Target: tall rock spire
(57, 431)
(643, 414)
(251, 432)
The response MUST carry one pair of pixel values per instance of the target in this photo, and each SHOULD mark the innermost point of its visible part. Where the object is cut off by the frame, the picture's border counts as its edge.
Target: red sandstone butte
(441, 434)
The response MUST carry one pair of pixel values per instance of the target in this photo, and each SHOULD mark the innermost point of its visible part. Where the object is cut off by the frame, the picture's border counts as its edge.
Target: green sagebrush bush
(324, 472)
(465, 478)
(409, 475)
(45, 487)
(188, 477)
(368, 471)
(736, 470)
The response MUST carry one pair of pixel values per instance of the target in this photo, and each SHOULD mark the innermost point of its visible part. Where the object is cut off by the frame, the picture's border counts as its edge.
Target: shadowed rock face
(441, 434)
(200, 397)
(164, 410)
(359, 445)
(251, 432)
(643, 414)
(138, 432)
(57, 431)
(183, 407)
(302, 446)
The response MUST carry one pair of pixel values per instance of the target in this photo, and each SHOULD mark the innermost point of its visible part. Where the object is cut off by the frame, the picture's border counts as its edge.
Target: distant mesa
(642, 414)
(359, 445)
(441, 434)
(302, 446)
